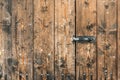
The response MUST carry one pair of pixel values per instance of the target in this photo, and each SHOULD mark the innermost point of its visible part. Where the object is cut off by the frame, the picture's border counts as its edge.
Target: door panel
(107, 30)
(24, 38)
(43, 39)
(36, 40)
(64, 48)
(86, 52)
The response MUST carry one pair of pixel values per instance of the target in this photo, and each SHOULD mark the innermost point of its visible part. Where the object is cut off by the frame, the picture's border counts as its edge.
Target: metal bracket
(84, 39)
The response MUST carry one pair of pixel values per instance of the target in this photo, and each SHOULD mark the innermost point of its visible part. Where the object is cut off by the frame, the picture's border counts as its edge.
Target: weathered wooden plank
(64, 31)
(7, 41)
(24, 35)
(101, 37)
(43, 39)
(1, 44)
(29, 38)
(107, 27)
(14, 57)
(111, 27)
(53, 39)
(118, 16)
(86, 52)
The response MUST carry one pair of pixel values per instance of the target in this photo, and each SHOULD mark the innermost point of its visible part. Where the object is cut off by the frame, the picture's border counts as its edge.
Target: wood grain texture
(36, 40)
(1, 43)
(86, 52)
(118, 38)
(24, 35)
(107, 27)
(64, 31)
(101, 37)
(7, 43)
(43, 39)
(14, 57)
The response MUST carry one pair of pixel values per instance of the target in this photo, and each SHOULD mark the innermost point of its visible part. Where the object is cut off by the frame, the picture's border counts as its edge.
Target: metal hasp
(84, 39)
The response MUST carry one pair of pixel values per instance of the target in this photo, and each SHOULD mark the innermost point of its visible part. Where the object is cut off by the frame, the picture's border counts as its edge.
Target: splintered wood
(36, 40)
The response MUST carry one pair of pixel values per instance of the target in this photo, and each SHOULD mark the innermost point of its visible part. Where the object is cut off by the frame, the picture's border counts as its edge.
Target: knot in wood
(106, 5)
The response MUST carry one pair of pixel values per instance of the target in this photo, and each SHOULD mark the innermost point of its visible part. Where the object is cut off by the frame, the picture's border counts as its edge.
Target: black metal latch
(84, 39)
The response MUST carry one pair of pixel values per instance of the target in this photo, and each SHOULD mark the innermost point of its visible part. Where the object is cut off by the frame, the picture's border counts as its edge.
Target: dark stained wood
(29, 39)
(1, 42)
(43, 39)
(14, 57)
(64, 31)
(107, 27)
(86, 26)
(7, 41)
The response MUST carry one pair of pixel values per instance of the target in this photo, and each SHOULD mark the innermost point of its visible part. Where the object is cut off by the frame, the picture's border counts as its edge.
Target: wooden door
(86, 58)
(36, 40)
(64, 48)
(99, 60)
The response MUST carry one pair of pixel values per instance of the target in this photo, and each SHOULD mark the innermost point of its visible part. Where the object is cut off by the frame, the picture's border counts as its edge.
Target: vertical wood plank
(14, 57)
(43, 39)
(118, 38)
(64, 31)
(1, 43)
(25, 39)
(29, 39)
(107, 27)
(7, 44)
(100, 14)
(86, 26)
(86, 52)
(17, 47)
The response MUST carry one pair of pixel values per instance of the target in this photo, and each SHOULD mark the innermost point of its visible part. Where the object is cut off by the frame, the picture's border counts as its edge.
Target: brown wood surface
(86, 26)
(107, 27)
(64, 31)
(15, 74)
(43, 39)
(24, 39)
(118, 37)
(7, 41)
(36, 39)
(1, 42)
